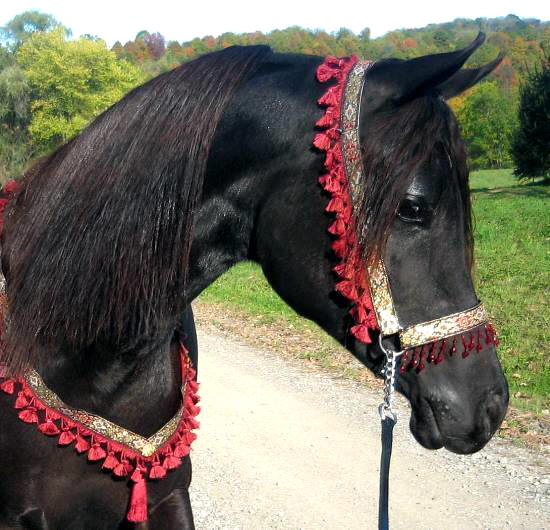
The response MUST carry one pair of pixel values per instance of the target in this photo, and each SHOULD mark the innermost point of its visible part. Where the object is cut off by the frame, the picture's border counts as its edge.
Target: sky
(182, 21)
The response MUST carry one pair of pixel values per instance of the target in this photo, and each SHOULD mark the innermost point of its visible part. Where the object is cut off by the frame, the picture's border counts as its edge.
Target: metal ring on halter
(386, 407)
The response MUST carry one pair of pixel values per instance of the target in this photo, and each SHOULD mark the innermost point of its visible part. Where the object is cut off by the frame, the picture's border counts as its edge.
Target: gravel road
(284, 446)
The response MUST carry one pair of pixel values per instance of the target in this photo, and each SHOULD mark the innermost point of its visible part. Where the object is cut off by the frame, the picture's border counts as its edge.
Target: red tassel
(11, 186)
(465, 351)
(49, 428)
(81, 444)
(432, 356)
(29, 415)
(471, 345)
(138, 501)
(96, 453)
(181, 450)
(328, 119)
(329, 98)
(338, 227)
(453, 349)
(416, 357)
(190, 437)
(441, 355)
(423, 357)
(121, 469)
(347, 288)
(8, 386)
(362, 333)
(335, 205)
(157, 472)
(339, 248)
(192, 423)
(325, 73)
(171, 462)
(110, 462)
(321, 141)
(333, 133)
(21, 402)
(66, 438)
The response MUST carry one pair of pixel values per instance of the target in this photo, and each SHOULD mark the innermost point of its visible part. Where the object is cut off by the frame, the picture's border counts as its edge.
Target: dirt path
(284, 446)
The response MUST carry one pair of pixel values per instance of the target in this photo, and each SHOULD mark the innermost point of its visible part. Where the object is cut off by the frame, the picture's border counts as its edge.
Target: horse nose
(493, 410)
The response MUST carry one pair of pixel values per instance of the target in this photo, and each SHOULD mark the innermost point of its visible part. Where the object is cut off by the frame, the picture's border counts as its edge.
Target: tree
(531, 142)
(23, 26)
(15, 116)
(155, 43)
(487, 120)
(117, 49)
(70, 83)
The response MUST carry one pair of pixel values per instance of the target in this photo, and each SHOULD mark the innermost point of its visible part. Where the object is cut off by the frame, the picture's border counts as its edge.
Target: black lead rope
(388, 417)
(387, 439)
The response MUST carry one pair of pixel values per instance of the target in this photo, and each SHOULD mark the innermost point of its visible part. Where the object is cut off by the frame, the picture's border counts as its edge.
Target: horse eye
(411, 211)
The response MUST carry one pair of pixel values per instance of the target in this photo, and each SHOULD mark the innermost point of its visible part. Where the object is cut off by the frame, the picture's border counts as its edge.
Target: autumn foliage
(51, 86)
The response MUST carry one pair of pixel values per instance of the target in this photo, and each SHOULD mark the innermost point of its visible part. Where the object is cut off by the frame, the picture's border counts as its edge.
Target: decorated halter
(121, 452)
(368, 287)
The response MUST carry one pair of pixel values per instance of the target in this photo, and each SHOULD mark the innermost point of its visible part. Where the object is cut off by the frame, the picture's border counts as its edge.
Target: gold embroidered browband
(418, 334)
(144, 446)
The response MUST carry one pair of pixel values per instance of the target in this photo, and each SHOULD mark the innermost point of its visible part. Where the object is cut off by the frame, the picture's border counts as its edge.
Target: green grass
(512, 272)
(513, 277)
(246, 288)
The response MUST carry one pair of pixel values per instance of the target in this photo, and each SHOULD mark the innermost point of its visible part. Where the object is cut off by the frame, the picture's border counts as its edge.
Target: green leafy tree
(488, 120)
(15, 117)
(70, 83)
(23, 26)
(531, 142)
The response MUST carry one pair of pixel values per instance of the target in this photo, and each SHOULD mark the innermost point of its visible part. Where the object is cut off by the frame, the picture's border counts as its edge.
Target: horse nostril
(494, 410)
(494, 406)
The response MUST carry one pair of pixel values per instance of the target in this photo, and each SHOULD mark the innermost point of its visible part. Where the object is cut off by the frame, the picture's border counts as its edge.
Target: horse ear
(400, 81)
(466, 78)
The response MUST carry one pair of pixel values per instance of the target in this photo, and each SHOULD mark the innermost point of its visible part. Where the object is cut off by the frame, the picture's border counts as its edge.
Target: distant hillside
(521, 40)
(51, 86)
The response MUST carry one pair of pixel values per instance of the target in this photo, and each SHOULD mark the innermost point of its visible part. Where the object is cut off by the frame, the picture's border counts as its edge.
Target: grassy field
(513, 277)
(512, 229)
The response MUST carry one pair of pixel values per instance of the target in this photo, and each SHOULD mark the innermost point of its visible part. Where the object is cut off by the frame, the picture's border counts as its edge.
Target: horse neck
(137, 390)
(260, 158)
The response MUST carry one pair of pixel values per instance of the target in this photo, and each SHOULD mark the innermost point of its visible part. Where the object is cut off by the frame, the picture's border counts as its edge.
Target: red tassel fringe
(9, 188)
(435, 352)
(117, 458)
(351, 270)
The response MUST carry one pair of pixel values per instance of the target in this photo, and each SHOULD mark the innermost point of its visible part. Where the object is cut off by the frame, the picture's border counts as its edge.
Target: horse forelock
(398, 143)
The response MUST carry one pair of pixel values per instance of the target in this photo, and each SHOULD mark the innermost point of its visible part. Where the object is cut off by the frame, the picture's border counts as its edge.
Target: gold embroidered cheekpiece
(369, 290)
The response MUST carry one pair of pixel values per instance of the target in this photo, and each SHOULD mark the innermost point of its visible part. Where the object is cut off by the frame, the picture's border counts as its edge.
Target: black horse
(114, 234)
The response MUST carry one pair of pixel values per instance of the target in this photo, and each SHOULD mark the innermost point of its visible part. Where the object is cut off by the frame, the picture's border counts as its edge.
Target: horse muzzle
(459, 406)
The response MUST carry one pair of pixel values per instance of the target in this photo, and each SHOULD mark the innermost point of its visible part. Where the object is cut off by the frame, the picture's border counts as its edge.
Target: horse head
(461, 402)
(413, 212)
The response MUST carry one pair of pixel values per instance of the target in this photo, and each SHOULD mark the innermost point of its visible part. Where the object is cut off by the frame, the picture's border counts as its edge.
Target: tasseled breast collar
(118, 450)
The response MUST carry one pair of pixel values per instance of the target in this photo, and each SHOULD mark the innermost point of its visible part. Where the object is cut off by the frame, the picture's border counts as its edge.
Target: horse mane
(96, 243)
(401, 140)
